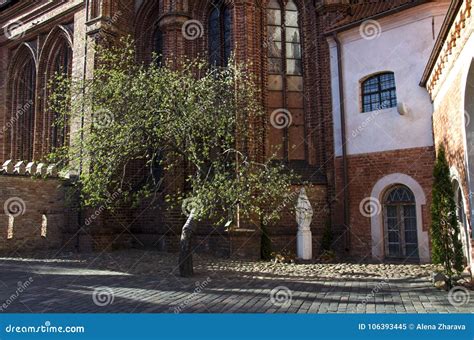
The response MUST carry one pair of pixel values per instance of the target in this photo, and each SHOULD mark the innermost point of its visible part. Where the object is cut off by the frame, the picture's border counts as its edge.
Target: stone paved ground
(145, 281)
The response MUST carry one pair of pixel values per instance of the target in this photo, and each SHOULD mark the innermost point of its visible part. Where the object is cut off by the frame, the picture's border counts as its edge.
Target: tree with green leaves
(193, 117)
(445, 239)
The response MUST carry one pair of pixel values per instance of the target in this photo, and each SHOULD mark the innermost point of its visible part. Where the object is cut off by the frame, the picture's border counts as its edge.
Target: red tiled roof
(365, 9)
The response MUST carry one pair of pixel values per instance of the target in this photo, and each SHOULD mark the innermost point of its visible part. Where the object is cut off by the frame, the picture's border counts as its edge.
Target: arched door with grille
(401, 239)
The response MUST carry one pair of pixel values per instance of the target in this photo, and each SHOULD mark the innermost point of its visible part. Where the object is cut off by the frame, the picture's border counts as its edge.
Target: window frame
(364, 93)
(400, 207)
(288, 88)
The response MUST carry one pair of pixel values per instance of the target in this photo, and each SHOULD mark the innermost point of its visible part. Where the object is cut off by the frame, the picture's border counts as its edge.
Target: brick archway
(377, 223)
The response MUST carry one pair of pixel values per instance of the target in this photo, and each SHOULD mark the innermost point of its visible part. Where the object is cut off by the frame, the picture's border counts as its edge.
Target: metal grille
(379, 92)
(400, 223)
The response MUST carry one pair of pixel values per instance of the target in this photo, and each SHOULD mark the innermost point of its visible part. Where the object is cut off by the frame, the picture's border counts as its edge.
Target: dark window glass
(158, 48)
(220, 34)
(379, 92)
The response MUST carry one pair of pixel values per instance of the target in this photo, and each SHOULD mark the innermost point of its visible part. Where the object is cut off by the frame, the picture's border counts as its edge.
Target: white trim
(462, 111)
(465, 72)
(377, 227)
(455, 177)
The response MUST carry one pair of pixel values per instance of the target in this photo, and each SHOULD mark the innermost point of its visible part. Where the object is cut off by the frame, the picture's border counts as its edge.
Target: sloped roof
(366, 9)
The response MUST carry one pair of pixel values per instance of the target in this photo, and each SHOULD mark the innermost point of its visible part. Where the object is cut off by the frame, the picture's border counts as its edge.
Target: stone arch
(377, 223)
(24, 51)
(146, 23)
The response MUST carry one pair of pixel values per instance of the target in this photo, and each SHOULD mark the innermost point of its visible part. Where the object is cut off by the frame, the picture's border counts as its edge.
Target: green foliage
(192, 115)
(446, 244)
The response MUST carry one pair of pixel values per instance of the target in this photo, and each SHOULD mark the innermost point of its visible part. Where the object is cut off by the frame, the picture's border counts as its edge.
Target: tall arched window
(23, 111)
(220, 33)
(62, 65)
(401, 238)
(379, 92)
(285, 80)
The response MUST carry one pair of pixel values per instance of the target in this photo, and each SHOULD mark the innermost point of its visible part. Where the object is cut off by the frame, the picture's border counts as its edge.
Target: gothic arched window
(220, 34)
(285, 80)
(62, 65)
(23, 111)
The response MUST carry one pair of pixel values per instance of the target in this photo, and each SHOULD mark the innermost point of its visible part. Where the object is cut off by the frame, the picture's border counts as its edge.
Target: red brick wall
(153, 225)
(448, 128)
(365, 171)
(35, 198)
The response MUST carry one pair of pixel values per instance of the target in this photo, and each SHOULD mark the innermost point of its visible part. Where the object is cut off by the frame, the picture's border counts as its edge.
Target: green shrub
(446, 244)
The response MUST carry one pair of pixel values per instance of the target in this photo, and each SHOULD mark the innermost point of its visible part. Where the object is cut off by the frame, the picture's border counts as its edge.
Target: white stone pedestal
(304, 245)
(304, 216)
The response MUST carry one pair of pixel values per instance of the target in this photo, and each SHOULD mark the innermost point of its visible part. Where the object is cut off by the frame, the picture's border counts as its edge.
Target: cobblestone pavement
(146, 282)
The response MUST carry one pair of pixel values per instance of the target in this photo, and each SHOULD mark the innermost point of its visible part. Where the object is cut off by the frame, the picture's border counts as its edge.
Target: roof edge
(443, 34)
(376, 16)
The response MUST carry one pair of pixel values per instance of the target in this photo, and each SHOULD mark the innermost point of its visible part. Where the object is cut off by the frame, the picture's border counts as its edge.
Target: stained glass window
(285, 79)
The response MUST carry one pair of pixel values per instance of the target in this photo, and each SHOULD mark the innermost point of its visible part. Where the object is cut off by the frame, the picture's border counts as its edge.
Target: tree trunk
(185, 251)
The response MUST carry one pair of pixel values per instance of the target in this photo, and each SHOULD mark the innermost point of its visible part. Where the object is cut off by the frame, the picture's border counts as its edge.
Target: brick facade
(365, 171)
(449, 78)
(81, 24)
(36, 214)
